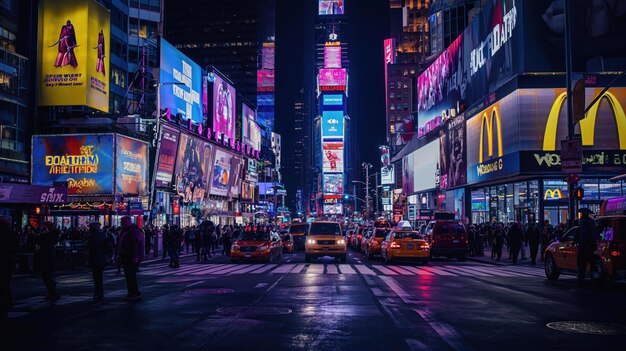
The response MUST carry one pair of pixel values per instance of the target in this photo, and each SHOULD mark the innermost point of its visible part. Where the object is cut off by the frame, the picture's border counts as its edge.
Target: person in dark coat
(586, 238)
(166, 233)
(173, 245)
(9, 244)
(100, 253)
(131, 248)
(515, 236)
(207, 239)
(534, 238)
(198, 242)
(45, 253)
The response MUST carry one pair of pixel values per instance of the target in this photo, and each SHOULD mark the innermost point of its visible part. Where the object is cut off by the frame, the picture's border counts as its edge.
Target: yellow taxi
(373, 243)
(610, 255)
(325, 239)
(405, 244)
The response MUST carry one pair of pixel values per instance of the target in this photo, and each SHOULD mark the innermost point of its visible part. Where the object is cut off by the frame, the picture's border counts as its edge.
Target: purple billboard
(167, 157)
(224, 107)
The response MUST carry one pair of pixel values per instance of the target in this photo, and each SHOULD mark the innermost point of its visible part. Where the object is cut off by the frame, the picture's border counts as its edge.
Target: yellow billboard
(73, 60)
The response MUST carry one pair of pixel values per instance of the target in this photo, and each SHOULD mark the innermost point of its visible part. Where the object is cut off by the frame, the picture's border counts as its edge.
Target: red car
(447, 237)
(257, 246)
(288, 245)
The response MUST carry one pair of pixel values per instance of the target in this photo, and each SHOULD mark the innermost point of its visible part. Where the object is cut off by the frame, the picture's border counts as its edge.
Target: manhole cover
(216, 291)
(588, 328)
(253, 310)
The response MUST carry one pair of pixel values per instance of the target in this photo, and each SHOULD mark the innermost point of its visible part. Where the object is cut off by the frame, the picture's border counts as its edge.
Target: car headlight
(310, 241)
(263, 247)
(341, 242)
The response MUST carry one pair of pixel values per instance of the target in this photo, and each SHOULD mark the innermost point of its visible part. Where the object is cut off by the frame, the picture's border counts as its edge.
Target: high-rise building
(447, 19)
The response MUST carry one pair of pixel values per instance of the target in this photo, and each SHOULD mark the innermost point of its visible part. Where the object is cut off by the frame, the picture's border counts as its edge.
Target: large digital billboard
(419, 169)
(333, 184)
(183, 98)
(453, 157)
(247, 191)
(85, 162)
(332, 56)
(332, 156)
(193, 167)
(131, 166)
(236, 176)
(331, 7)
(73, 60)
(387, 175)
(332, 77)
(265, 80)
(333, 209)
(224, 97)
(332, 100)
(332, 124)
(166, 161)
(251, 132)
(221, 176)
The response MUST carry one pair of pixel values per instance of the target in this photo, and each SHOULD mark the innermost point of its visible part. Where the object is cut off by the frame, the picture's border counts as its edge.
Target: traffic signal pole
(570, 105)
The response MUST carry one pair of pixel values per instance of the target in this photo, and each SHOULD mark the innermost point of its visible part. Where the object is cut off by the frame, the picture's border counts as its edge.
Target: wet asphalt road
(290, 305)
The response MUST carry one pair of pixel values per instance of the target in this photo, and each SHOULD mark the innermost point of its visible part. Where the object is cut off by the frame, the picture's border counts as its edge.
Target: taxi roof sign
(614, 206)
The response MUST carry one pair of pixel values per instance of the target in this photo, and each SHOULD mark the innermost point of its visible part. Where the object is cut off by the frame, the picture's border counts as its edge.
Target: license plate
(455, 241)
(248, 255)
(410, 247)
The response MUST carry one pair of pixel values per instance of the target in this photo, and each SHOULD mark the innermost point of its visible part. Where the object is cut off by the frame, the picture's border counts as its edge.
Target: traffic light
(346, 197)
(579, 193)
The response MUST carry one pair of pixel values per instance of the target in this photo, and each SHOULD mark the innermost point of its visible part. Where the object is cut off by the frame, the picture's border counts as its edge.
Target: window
(118, 77)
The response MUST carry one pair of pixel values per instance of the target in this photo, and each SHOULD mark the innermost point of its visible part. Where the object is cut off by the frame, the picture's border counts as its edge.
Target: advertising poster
(220, 179)
(247, 191)
(420, 168)
(331, 7)
(332, 124)
(85, 162)
(333, 209)
(193, 165)
(251, 133)
(453, 158)
(387, 175)
(167, 157)
(333, 184)
(251, 170)
(332, 56)
(332, 156)
(131, 166)
(265, 80)
(224, 96)
(236, 175)
(73, 47)
(332, 77)
(184, 98)
(332, 100)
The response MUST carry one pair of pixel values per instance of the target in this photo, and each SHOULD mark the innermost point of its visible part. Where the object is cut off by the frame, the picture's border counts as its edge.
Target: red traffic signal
(579, 193)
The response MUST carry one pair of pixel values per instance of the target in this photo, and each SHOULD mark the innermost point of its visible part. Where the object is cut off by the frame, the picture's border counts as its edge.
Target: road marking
(365, 270)
(194, 284)
(246, 269)
(261, 285)
(315, 269)
(418, 271)
(331, 269)
(437, 271)
(498, 272)
(346, 269)
(264, 268)
(384, 270)
(298, 269)
(471, 271)
(284, 268)
(400, 270)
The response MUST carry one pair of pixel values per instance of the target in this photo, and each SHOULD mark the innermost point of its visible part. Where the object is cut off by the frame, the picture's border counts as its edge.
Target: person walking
(515, 240)
(498, 241)
(226, 241)
(207, 237)
(586, 238)
(471, 236)
(174, 242)
(100, 254)
(131, 253)
(166, 233)
(148, 240)
(9, 244)
(45, 253)
(197, 242)
(534, 237)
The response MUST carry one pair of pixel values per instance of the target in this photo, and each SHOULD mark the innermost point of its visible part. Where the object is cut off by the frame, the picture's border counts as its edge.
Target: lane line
(261, 285)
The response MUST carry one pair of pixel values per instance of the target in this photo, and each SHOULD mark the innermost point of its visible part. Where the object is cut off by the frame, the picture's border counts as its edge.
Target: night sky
(294, 65)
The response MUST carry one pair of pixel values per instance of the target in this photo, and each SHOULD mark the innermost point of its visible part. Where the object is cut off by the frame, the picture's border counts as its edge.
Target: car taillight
(615, 253)
(395, 245)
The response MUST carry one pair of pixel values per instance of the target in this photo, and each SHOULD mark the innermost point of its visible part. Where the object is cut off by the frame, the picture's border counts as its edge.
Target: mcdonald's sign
(553, 194)
(587, 125)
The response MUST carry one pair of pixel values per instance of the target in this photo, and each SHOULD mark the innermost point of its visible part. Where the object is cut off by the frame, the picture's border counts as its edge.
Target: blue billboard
(332, 124)
(181, 83)
(332, 100)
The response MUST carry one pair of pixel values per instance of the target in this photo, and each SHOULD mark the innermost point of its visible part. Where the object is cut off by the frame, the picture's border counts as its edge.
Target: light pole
(367, 167)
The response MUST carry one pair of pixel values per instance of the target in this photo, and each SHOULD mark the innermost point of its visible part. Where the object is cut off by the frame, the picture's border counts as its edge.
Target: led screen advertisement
(224, 97)
(181, 83)
(131, 166)
(453, 157)
(332, 100)
(332, 77)
(332, 154)
(387, 175)
(221, 176)
(167, 157)
(73, 60)
(265, 80)
(419, 169)
(331, 7)
(333, 184)
(332, 56)
(193, 167)
(85, 162)
(237, 171)
(247, 191)
(332, 124)
(251, 132)
(333, 209)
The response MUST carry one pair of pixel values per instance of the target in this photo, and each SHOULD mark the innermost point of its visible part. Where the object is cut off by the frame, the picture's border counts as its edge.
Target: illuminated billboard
(73, 60)
(224, 96)
(221, 176)
(333, 185)
(251, 132)
(332, 77)
(387, 175)
(332, 154)
(331, 7)
(265, 80)
(333, 209)
(193, 165)
(167, 157)
(332, 124)
(453, 157)
(419, 169)
(332, 100)
(183, 98)
(85, 162)
(247, 191)
(332, 56)
(236, 176)
(131, 166)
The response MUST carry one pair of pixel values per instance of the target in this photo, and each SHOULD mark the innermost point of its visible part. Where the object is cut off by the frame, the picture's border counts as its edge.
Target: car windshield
(254, 236)
(407, 235)
(325, 229)
(298, 228)
(451, 228)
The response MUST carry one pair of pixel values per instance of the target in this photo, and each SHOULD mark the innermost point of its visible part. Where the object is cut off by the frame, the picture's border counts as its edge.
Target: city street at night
(215, 305)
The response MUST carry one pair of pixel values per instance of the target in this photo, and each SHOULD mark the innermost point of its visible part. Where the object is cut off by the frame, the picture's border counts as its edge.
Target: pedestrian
(187, 236)
(534, 237)
(207, 236)
(100, 254)
(45, 254)
(471, 236)
(118, 259)
(166, 232)
(198, 242)
(226, 236)
(586, 238)
(498, 241)
(148, 239)
(515, 240)
(9, 244)
(131, 253)
(173, 242)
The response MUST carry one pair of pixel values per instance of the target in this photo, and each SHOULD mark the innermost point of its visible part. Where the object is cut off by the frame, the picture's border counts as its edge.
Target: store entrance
(556, 214)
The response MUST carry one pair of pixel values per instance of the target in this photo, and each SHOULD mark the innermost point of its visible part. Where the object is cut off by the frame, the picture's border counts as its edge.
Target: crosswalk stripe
(471, 271)
(385, 270)
(346, 269)
(418, 270)
(437, 271)
(331, 269)
(400, 270)
(297, 269)
(196, 267)
(225, 270)
(263, 269)
(283, 268)
(246, 269)
(365, 270)
(527, 272)
(498, 272)
(315, 269)
(204, 269)
(218, 270)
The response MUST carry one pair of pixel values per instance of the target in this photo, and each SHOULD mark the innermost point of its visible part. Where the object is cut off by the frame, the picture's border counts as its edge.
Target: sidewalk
(505, 261)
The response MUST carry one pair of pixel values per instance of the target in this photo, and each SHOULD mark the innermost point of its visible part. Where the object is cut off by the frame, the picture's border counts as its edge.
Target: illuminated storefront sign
(553, 194)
